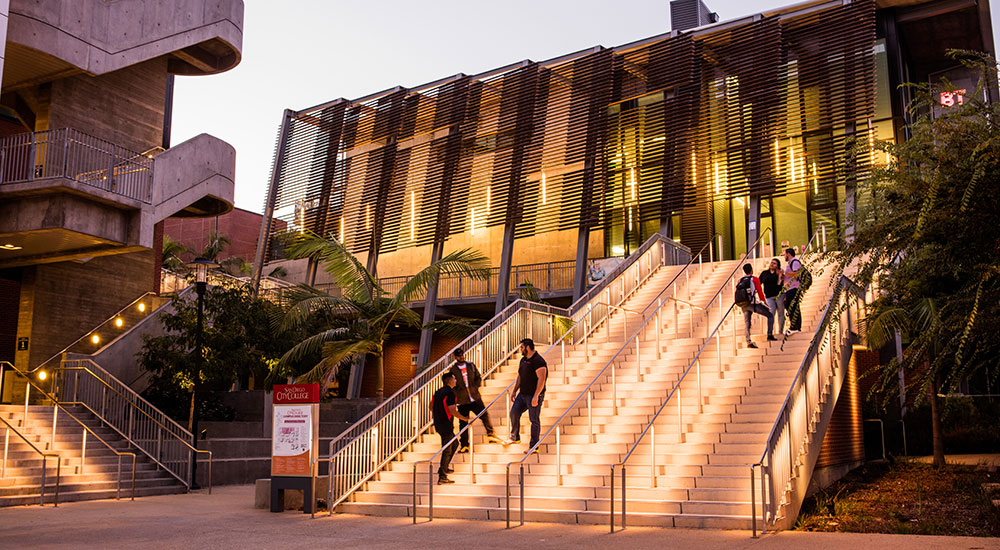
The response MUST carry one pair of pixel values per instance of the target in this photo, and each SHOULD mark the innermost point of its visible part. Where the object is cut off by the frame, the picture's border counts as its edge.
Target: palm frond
(356, 282)
(336, 355)
(314, 344)
(455, 328)
(881, 328)
(466, 262)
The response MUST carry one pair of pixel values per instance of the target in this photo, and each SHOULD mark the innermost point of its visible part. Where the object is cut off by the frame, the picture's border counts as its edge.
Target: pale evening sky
(300, 53)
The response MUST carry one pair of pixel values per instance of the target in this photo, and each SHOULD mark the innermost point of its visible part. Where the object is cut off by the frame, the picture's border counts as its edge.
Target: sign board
(22, 344)
(295, 429)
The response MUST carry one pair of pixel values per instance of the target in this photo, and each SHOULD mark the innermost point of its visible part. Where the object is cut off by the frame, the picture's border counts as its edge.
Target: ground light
(119, 322)
(142, 307)
(95, 339)
(42, 375)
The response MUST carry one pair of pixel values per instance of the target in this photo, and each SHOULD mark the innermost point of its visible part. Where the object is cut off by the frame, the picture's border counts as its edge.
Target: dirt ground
(907, 498)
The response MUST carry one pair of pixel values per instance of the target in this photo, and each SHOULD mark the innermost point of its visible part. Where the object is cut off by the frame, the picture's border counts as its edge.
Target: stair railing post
(558, 457)
(6, 442)
(472, 451)
(27, 392)
(590, 416)
(83, 452)
(638, 361)
(41, 501)
(55, 415)
(659, 327)
(701, 396)
(652, 456)
(562, 351)
(614, 391)
(680, 423)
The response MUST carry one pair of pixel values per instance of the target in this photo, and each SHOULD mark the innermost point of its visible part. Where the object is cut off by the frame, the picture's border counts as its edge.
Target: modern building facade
(712, 133)
(87, 171)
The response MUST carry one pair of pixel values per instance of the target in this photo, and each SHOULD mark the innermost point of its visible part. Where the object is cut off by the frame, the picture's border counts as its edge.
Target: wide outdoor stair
(701, 473)
(96, 478)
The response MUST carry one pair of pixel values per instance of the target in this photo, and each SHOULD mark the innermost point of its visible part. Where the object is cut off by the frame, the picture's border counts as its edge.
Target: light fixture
(617, 250)
(10, 246)
(413, 215)
(95, 339)
(141, 307)
(544, 198)
(42, 375)
(201, 266)
(119, 322)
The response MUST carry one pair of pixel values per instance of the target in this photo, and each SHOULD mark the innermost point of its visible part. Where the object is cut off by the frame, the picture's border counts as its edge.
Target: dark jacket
(475, 380)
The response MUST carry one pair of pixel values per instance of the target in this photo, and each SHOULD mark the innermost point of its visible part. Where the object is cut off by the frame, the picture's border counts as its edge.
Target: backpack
(805, 278)
(744, 294)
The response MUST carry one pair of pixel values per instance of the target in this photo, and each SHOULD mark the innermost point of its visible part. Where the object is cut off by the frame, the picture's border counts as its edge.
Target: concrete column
(430, 308)
(506, 259)
(753, 222)
(580, 270)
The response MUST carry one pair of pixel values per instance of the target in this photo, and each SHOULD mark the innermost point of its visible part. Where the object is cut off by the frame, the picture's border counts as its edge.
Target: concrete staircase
(701, 473)
(96, 478)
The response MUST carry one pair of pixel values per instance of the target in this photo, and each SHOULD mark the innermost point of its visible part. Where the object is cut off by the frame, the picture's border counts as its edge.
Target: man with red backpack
(748, 290)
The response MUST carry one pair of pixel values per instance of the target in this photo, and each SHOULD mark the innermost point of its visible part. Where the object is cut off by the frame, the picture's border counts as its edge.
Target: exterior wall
(241, 227)
(124, 107)
(399, 369)
(844, 442)
(61, 302)
(10, 291)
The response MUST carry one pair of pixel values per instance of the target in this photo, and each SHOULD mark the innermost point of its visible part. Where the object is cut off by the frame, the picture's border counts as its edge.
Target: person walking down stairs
(528, 394)
(469, 399)
(444, 406)
(748, 290)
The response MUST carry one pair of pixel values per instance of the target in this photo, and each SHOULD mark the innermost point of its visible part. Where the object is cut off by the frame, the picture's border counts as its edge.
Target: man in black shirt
(469, 399)
(444, 406)
(531, 375)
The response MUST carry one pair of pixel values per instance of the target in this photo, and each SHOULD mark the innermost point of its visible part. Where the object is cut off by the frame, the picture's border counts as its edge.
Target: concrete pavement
(227, 519)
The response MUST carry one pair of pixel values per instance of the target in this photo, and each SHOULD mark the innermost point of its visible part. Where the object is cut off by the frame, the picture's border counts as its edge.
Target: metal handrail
(695, 363)
(147, 299)
(800, 382)
(503, 393)
(587, 390)
(390, 428)
(43, 454)
(132, 400)
(625, 265)
(71, 154)
(750, 255)
(56, 406)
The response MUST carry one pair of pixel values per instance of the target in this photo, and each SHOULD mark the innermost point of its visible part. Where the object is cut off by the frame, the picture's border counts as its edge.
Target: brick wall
(397, 365)
(241, 227)
(844, 441)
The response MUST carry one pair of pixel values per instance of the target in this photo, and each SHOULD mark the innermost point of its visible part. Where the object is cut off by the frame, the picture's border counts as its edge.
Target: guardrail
(381, 435)
(790, 452)
(72, 154)
(659, 300)
(45, 456)
(56, 407)
(153, 433)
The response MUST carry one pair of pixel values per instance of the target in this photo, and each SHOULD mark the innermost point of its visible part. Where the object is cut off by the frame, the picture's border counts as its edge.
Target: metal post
(590, 416)
(559, 457)
(430, 491)
(614, 392)
(611, 506)
(55, 416)
(659, 327)
(83, 452)
(638, 361)
(680, 427)
(623, 496)
(472, 451)
(6, 442)
(41, 501)
(562, 350)
(753, 504)
(652, 456)
(521, 476)
(27, 392)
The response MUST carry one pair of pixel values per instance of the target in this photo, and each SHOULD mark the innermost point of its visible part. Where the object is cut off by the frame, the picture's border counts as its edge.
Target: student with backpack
(748, 290)
(797, 280)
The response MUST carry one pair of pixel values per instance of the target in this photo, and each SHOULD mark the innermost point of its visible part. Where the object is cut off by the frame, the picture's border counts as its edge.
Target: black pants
(447, 433)
(470, 409)
(792, 307)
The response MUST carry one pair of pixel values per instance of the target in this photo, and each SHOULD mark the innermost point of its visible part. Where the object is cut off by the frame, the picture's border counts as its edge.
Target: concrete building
(87, 171)
(241, 227)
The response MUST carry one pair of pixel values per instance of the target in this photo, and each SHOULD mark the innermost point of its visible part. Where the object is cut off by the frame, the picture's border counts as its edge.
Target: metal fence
(71, 154)
(378, 438)
(545, 277)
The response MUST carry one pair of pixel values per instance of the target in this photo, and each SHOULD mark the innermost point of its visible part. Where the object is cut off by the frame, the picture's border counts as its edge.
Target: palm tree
(216, 244)
(171, 254)
(356, 323)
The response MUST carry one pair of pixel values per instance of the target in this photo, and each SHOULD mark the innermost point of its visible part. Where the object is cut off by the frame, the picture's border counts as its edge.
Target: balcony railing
(545, 277)
(71, 154)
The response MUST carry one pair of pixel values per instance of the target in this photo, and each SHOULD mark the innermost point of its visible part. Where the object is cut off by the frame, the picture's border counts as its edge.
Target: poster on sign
(295, 429)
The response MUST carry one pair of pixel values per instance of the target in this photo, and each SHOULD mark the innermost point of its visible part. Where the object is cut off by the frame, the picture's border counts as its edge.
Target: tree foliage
(347, 327)
(926, 233)
(239, 342)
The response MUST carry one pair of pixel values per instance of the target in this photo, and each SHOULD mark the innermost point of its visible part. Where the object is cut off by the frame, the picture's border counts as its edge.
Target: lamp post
(200, 266)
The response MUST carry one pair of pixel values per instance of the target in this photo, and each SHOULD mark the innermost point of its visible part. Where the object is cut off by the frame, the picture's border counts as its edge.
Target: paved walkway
(227, 519)
(989, 460)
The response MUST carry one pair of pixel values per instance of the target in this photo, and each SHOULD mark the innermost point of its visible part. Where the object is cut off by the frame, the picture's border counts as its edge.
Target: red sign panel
(295, 393)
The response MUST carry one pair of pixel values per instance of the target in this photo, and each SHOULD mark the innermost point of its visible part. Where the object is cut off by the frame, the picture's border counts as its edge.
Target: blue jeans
(523, 403)
(777, 306)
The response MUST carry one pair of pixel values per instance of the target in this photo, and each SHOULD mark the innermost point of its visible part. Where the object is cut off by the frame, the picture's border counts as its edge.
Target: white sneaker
(790, 332)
